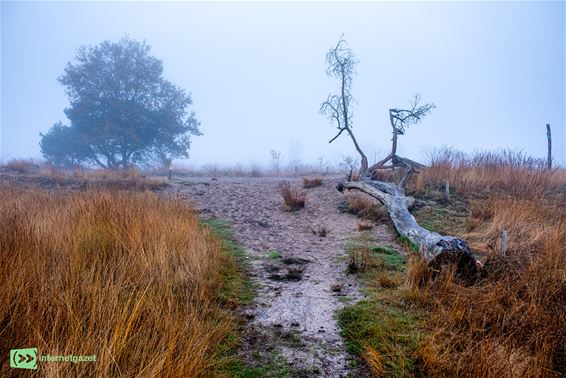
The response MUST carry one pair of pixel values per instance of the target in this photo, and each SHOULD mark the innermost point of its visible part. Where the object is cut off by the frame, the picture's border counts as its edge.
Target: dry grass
(488, 173)
(294, 200)
(374, 360)
(365, 206)
(513, 321)
(365, 225)
(21, 166)
(360, 259)
(418, 273)
(48, 176)
(387, 281)
(127, 276)
(312, 182)
(247, 170)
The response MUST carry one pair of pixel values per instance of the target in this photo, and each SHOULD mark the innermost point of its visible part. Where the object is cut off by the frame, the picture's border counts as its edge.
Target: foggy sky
(256, 71)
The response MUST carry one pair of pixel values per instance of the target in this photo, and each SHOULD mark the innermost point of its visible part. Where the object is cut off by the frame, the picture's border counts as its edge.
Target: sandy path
(298, 292)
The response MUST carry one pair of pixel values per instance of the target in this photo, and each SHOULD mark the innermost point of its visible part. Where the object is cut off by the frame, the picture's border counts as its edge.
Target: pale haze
(256, 72)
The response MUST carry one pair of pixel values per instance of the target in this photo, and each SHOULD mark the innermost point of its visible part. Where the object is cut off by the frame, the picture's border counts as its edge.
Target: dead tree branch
(405, 179)
(400, 119)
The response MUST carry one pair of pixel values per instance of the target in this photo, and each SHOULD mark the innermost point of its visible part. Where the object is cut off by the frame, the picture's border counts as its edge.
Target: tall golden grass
(126, 276)
(507, 172)
(512, 322)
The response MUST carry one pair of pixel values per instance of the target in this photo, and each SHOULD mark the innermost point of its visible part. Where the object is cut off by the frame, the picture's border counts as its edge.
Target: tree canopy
(122, 111)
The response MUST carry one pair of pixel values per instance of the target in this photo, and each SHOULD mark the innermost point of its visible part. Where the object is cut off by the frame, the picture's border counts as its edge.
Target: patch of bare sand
(301, 277)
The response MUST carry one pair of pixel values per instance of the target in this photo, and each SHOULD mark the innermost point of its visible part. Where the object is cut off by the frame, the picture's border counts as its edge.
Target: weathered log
(436, 249)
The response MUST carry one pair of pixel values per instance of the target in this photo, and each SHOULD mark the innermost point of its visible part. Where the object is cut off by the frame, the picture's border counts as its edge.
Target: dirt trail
(302, 279)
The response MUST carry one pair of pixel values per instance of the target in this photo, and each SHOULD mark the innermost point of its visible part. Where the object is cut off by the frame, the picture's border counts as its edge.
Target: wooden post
(549, 137)
(446, 190)
(503, 235)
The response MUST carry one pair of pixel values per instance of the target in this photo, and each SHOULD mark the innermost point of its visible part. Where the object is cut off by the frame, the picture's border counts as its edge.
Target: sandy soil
(299, 286)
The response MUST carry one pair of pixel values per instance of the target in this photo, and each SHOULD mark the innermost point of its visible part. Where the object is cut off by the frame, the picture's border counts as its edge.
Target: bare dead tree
(436, 249)
(341, 65)
(400, 119)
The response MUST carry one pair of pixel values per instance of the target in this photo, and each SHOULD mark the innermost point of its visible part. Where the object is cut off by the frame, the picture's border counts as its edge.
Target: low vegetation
(384, 330)
(248, 170)
(25, 173)
(364, 207)
(20, 166)
(127, 276)
(312, 182)
(365, 225)
(294, 200)
(172, 281)
(512, 320)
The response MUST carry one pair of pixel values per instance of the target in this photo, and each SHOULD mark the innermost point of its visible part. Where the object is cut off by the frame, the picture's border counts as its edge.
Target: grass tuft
(365, 207)
(365, 225)
(312, 182)
(294, 200)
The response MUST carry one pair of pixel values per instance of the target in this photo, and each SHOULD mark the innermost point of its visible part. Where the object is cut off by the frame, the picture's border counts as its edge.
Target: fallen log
(436, 249)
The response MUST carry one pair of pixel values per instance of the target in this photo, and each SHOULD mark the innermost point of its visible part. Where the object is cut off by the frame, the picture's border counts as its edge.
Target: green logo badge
(23, 358)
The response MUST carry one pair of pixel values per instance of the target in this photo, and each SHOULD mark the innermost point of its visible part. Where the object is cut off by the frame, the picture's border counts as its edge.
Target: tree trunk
(101, 164)
(364, 160)
(393, 152)
(436, 249)
(393, 139)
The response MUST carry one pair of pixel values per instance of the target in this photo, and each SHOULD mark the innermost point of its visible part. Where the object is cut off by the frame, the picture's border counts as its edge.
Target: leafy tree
(62, 147)
(122, 111)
